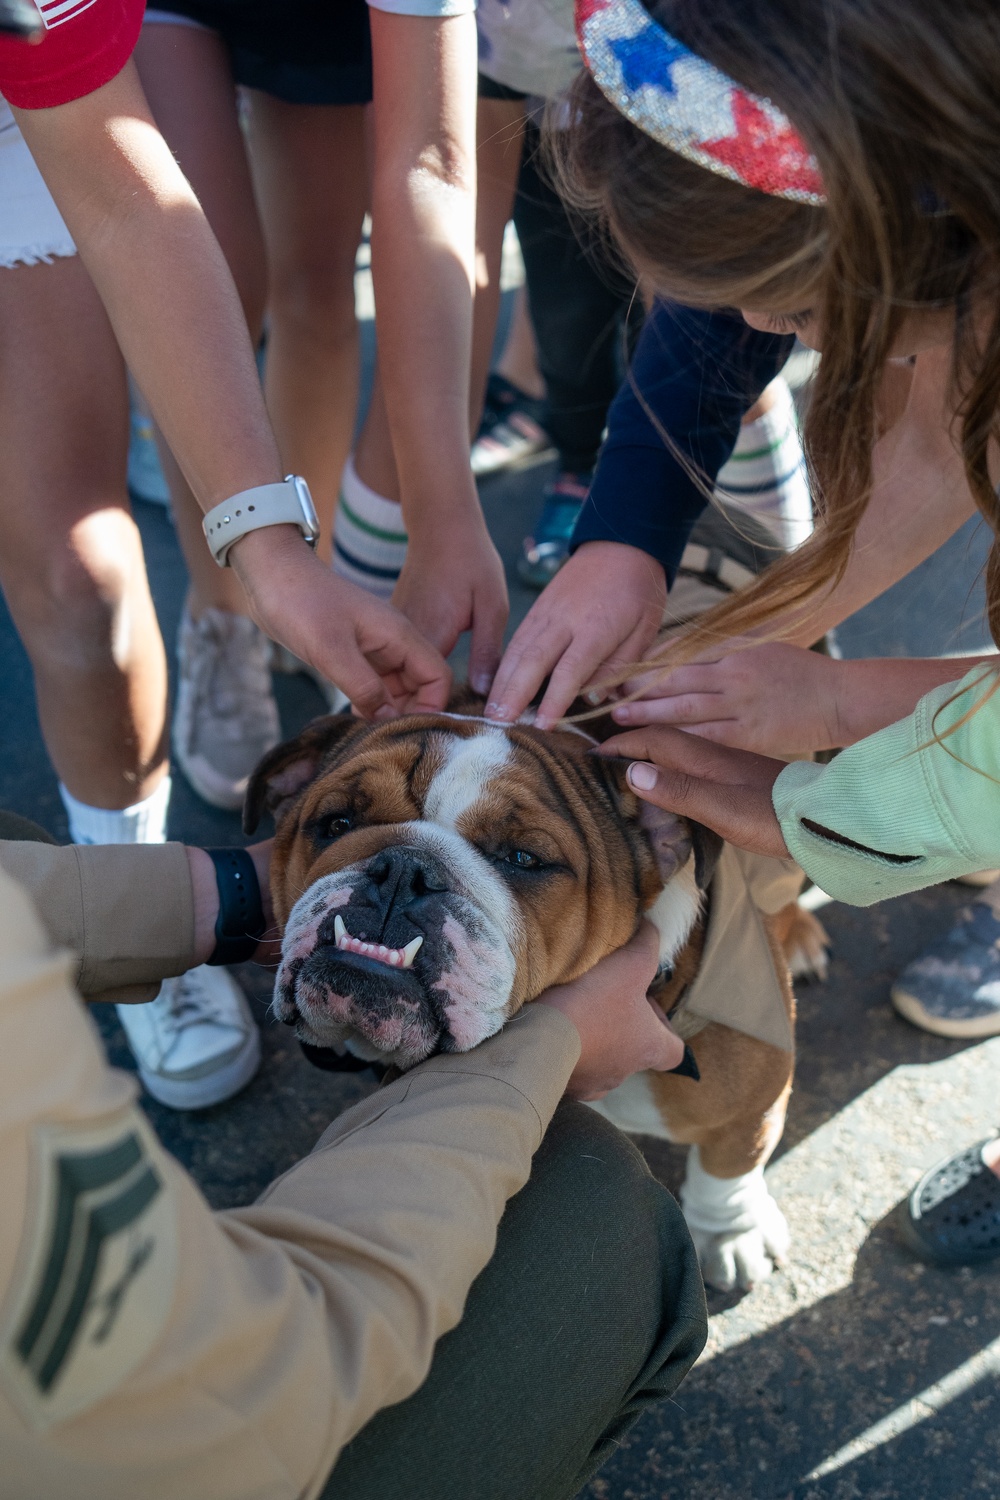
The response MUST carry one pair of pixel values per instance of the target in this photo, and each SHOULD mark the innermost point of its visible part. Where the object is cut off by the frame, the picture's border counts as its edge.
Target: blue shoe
(544, 553)
(953, 988)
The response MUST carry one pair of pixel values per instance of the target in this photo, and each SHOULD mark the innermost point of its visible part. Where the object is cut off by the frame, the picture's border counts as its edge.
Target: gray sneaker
(196, 1043)
(226, 717)
(953, 988)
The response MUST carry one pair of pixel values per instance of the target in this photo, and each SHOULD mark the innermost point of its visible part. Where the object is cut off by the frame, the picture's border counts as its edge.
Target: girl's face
(920, 331)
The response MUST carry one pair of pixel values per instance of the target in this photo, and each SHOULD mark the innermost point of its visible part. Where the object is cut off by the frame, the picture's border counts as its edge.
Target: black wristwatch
(240, 924)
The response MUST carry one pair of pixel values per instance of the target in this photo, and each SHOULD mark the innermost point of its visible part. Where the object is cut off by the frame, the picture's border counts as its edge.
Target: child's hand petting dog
(727, 790)
(599, 613)
(621, 1031)
(782, 700)
(773, 699)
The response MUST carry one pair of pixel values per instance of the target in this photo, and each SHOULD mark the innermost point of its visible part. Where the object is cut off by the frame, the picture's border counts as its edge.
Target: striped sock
(766, 475)
(369, 538)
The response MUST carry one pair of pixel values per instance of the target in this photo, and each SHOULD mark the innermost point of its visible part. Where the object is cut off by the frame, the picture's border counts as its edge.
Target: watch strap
(240, 924)
(286, 503)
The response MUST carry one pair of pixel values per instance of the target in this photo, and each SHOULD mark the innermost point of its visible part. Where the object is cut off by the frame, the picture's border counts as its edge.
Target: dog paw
(805, 942)
(739, 1231)
(744, 1259)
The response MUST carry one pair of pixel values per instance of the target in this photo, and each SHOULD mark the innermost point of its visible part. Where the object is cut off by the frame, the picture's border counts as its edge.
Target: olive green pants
(591, 1310)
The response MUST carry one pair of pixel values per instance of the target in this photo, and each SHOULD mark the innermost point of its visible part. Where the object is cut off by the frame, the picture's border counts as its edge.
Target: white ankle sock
(766, 475)
(142, 823)
(369, 538)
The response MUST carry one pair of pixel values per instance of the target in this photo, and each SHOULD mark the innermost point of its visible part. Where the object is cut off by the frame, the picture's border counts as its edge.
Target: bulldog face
(435, 873)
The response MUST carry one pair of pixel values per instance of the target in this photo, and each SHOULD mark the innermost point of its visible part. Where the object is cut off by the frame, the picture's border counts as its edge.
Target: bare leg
(310, 173)
(500, 128)
(71, 560)
(185, 73)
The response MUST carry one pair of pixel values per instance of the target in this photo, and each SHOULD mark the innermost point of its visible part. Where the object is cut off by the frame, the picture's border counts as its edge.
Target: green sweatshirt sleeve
(904, 808)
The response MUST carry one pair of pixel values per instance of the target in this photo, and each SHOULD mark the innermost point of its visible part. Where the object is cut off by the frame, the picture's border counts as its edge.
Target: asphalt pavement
(854, 1371)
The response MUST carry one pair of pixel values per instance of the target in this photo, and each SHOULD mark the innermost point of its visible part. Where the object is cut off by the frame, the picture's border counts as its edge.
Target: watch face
(308, 509)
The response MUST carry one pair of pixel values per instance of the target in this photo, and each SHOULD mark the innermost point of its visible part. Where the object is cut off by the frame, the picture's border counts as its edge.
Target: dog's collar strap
(240, 924)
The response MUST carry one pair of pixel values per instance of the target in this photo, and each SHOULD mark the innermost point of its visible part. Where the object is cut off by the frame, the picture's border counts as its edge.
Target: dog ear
(289, 768)
(707, 848)
(670, 838)
(668, 834)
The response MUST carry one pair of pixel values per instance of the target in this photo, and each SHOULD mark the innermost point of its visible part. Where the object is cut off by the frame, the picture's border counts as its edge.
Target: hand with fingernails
(600, 612)
(621, 1030)
(727, 790)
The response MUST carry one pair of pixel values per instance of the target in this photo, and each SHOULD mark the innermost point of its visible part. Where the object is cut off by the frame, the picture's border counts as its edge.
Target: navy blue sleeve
(699, 373)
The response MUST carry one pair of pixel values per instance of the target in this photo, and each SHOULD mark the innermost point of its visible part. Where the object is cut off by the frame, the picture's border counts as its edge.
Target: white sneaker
(226, 717)
(196, 1043)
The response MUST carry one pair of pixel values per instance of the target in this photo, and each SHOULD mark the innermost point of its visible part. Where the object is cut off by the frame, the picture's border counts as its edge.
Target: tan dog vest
(736, 983)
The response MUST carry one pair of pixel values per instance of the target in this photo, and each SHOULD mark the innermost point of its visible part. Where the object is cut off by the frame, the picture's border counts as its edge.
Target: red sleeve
(85, 43)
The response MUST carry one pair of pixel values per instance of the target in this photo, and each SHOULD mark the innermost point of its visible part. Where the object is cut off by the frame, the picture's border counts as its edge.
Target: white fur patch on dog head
(470, 765)
(674, 913)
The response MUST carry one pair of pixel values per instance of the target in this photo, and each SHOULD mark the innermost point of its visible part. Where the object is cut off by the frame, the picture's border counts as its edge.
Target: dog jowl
(435, 873)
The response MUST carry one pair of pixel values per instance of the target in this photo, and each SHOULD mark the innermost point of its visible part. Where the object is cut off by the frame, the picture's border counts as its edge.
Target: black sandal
(953, 1215)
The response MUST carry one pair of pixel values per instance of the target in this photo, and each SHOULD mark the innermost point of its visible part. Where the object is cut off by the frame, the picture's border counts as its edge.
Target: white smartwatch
(288, 503)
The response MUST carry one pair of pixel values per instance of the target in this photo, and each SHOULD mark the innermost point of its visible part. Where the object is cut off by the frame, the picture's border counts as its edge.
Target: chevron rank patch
(96, 1270)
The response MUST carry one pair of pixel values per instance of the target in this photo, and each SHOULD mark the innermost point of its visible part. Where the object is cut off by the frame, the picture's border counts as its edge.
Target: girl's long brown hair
(900, 101)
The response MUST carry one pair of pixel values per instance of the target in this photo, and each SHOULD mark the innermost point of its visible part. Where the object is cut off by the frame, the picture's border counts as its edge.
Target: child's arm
(905, 808)
(162, 278)
(783, 700)
(919, 499)
(423, 249)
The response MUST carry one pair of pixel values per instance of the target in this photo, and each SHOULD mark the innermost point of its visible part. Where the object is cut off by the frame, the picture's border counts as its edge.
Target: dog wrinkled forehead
(443, 765)
(467, 775)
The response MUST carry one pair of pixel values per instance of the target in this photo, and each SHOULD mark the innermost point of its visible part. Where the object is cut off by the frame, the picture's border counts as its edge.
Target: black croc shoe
(953, 1216)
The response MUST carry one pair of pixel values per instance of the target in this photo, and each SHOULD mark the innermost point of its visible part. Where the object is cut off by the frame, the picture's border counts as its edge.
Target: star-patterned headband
(684, 103)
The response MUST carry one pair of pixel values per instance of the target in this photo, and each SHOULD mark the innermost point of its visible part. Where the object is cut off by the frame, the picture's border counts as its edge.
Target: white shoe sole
(910, 1007)
(212, 1088)
(209, 785)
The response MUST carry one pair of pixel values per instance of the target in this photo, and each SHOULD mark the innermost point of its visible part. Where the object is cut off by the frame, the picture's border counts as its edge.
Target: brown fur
(736, 1111)
(608, 857)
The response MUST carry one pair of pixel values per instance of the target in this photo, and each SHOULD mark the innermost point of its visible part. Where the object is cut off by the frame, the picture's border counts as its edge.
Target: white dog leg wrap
(722, 1205)
(737, 1228)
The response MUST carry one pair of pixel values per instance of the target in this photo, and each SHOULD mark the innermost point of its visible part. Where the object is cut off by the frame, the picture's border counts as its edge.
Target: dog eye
(522, 859)
(332, 825)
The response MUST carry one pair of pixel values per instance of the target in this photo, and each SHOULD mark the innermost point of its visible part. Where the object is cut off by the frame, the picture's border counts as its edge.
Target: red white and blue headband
(684, 103)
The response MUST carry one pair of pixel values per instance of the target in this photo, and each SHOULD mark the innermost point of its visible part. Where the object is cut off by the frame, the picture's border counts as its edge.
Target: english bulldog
(435, 873)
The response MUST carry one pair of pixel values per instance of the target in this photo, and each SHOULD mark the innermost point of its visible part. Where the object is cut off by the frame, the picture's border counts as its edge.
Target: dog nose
(400, 876)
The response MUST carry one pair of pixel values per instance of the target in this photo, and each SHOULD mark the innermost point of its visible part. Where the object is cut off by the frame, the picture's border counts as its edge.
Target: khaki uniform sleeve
(125, 911)
(150, 1347)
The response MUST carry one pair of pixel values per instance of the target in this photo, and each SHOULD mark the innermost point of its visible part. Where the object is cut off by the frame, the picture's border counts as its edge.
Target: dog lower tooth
(411, 950)
(340, 935)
